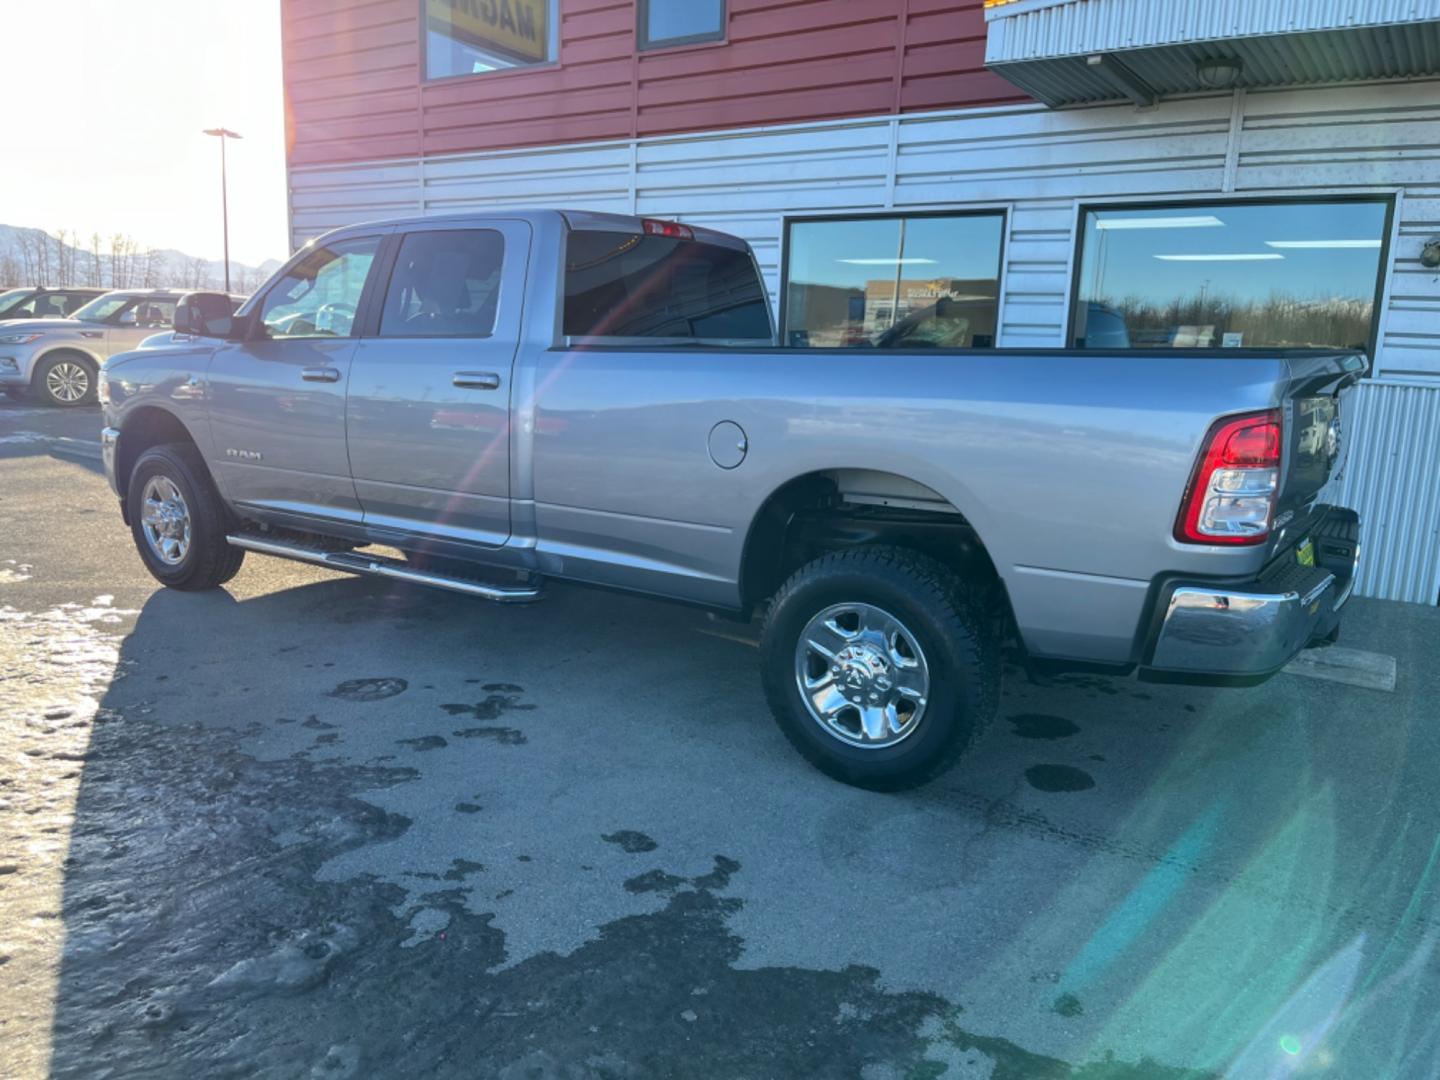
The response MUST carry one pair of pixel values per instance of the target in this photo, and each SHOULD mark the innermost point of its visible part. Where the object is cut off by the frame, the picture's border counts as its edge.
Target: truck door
(428, 416)
(277, 400)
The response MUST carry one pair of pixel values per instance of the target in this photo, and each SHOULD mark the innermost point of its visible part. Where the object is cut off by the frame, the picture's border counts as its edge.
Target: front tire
(880, 666)
(178, 520)
(66, 380)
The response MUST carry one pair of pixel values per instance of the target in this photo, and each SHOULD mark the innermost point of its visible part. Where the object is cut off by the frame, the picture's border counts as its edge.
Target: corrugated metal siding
(1393, 480)
(1095, 26)
(354, 92)
(1381, 136)
(1036, 162)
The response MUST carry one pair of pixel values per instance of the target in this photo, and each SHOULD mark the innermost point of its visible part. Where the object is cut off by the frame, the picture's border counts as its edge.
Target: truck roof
(572, 219)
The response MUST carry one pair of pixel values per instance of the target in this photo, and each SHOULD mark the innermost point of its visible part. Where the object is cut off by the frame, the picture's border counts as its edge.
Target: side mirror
(204, 315)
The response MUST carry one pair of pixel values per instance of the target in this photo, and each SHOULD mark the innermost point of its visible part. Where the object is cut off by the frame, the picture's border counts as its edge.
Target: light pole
(223, 134)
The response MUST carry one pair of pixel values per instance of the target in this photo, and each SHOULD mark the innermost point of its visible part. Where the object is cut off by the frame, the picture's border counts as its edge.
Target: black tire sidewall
(956, 704)
(40, 389)
(164, 461)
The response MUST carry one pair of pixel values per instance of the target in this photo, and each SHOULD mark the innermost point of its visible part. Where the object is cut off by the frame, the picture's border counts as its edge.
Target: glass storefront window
(913, 281)
(469, 37)
(1269, 274)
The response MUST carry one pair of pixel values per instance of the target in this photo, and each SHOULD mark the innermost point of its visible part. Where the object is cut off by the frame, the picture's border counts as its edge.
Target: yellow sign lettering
(507, 29)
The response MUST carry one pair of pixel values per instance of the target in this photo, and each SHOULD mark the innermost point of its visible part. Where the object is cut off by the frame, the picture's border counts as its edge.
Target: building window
(914, 281)
(469, 37)
(680, 22)
(1252, 274)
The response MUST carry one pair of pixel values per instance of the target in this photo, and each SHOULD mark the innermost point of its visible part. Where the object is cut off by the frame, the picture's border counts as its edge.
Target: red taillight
(672, 229)
(1231, 497)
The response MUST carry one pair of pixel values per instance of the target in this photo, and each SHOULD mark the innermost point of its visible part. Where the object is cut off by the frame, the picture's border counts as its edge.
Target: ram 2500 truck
(488, 401)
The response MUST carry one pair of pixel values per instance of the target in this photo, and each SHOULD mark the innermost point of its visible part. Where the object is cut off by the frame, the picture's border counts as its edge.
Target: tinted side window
(445, 284)
(320, 295)
(625, 285)
(73, 301)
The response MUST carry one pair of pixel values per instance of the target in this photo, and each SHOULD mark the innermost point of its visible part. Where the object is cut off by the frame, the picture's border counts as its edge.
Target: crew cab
(57, 360)
(484, 402)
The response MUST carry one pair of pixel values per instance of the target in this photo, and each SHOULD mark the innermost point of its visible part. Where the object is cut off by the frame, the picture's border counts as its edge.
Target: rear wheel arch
(836, 509)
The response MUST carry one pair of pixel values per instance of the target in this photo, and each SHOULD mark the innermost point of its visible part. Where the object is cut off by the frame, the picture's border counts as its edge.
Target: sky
(105, 102)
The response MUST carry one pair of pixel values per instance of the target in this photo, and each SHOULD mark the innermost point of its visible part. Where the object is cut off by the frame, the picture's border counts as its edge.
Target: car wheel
(178, 520)
(880, 666)
(66, 379)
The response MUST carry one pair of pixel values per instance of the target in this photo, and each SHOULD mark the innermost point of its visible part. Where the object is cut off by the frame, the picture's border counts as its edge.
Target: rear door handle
(476, 380)
(320, 374)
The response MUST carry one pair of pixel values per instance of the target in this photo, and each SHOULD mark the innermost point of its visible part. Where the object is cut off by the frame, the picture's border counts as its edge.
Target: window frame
(1390, 197)
(1001, 210)
(643, 42)
(372, 329)
(427, 79)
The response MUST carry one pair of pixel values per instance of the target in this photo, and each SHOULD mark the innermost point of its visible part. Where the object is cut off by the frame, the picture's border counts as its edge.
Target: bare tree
(10, 272)
(151, 268)
(96, 274)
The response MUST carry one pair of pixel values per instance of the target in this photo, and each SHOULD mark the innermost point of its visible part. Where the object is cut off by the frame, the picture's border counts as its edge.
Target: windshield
(103, 308)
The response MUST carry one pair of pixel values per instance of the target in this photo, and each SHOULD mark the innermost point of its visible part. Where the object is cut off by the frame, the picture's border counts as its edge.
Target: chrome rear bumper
(1251, 631)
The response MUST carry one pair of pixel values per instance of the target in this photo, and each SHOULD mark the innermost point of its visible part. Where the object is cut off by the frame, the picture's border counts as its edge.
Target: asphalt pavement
(314, 825)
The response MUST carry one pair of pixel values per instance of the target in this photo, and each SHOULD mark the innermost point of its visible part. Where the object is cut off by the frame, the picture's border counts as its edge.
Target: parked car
(44, 303)
(57, 360)
(171, 336)
(526, 395)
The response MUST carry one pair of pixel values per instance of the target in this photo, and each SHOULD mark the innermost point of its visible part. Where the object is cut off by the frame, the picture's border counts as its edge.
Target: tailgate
(1314, 412)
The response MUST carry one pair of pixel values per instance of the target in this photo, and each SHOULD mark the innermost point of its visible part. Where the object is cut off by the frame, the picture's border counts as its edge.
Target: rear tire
(179, 521)
(66, 380)
(912, 636)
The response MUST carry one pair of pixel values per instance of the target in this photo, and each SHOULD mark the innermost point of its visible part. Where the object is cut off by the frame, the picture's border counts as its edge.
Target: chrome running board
(353, 562)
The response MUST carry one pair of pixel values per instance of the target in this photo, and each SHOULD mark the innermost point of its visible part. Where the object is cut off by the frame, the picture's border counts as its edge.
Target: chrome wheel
(67, 382)
(862, 675)
(166, 520)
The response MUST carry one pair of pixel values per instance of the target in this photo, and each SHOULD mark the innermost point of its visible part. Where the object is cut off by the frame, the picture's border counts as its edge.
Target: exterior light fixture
(1221, 73)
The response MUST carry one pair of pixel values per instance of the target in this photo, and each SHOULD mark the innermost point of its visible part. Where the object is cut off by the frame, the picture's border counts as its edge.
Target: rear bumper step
(380, 566)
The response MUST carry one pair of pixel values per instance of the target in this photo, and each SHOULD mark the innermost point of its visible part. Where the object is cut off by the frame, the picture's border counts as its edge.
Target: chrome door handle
(320, 374)
(476, 380)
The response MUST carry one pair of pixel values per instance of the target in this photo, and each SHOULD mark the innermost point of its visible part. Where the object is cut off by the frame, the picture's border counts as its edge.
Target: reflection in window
(1236, 275)
(925, 281)
(467, 37)
(680, 22)
(320, 295)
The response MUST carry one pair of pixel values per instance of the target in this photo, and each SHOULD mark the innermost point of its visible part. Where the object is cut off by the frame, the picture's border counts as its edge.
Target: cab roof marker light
(673, 229)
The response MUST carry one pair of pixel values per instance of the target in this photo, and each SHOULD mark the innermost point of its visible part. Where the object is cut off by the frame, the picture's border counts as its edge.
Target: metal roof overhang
(1072, 52)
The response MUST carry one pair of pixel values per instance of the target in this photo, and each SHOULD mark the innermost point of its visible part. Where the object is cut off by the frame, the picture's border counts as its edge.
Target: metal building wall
(1040, 165)
(1393, 479)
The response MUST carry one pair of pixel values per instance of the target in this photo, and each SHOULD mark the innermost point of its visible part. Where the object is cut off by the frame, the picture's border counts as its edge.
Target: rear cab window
(632, 285)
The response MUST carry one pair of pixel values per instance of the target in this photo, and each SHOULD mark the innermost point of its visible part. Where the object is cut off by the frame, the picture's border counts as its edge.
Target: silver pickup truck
(486, 401)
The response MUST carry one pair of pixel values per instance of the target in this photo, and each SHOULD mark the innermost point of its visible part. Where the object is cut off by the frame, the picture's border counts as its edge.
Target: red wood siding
(354, 90)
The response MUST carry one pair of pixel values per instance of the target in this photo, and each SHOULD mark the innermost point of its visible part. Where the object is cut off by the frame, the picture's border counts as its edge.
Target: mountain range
(30, 256)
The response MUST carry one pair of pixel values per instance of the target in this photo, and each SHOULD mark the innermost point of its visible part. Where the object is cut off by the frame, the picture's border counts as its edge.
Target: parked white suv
(57, 360)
